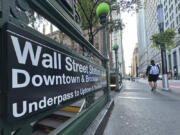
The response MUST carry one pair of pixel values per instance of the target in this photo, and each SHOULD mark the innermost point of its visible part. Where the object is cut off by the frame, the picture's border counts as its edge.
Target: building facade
(135, 62)
(152, 28)
(172, 20)
(142, 46)
(147, 23)
(55, 34)
(147, 26)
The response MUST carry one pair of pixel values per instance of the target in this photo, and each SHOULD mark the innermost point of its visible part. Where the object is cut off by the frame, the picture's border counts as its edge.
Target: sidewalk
(174, 85)
(138, 111)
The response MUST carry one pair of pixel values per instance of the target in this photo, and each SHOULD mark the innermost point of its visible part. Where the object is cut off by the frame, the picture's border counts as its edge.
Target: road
(138, 111)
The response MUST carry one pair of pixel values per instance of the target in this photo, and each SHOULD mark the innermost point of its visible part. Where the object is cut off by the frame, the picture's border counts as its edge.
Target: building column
(167, 59)
(178, 60)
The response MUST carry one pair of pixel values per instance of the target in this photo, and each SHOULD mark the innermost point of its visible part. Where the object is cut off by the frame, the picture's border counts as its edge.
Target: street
(138, 111)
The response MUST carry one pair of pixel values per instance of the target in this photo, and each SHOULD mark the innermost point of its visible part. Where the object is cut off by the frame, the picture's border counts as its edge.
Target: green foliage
(87, 12)
(115, 25)
(90, 21)
(164, 39)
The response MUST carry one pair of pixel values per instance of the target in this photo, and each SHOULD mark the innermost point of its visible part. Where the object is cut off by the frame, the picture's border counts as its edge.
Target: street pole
(136, 70)
(115, 48)
(163, 51)
(120, 79)
(117, 72)
(164, 70)
(102, 11)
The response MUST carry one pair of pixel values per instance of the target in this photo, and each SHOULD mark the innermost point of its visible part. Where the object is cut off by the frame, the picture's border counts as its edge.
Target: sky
(129, 38)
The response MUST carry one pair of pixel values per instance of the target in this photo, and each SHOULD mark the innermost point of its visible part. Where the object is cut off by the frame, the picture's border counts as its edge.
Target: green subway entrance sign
(42, 76)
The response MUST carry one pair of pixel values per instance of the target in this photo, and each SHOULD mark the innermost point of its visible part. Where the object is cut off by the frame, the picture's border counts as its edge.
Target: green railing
(39, 75)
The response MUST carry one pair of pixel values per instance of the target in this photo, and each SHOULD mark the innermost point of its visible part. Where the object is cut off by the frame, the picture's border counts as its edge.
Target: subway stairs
(57, 119)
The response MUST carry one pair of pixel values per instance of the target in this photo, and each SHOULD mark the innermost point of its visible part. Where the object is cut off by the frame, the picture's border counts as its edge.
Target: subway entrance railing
(42, 79)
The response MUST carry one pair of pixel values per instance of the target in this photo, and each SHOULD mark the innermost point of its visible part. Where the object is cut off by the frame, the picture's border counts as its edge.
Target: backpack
(154, 70)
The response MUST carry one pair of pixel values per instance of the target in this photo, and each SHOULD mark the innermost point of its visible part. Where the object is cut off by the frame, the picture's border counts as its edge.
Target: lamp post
(102, 11)
(120, 63)
(160, 19)
(137, 70)
(136, 64)
(115, 48)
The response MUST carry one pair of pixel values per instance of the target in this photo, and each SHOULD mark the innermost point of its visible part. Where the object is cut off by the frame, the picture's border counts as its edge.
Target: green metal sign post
(102, 11)
(115, 48)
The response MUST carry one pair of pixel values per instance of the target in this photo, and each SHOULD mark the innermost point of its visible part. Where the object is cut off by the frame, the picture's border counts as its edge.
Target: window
(167, 23)
(171, 9)
(172, 25)
(165, 9)
(176, 10)
(177, 20)
(172, 15)
(166, 16)
(175, 1)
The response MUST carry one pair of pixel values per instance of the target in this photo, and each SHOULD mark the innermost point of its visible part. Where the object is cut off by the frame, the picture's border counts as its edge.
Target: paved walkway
(138, 111)
(174, 85)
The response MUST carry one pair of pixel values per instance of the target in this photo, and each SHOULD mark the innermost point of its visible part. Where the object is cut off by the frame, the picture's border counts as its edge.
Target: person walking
(153, 73)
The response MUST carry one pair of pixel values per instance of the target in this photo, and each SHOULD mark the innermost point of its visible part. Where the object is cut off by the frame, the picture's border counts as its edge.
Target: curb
(98, 125)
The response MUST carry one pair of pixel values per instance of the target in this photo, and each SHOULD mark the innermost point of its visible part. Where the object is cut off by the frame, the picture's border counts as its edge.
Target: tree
(90, 22)
(164, 40)
(87, 11)
(34, 19)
